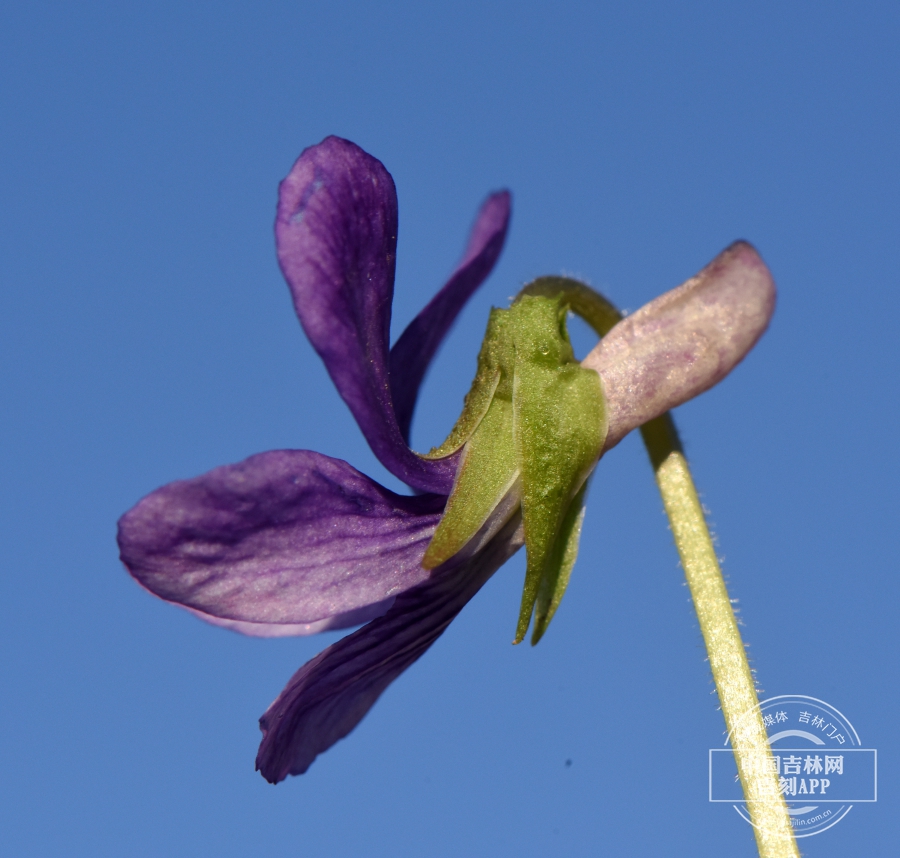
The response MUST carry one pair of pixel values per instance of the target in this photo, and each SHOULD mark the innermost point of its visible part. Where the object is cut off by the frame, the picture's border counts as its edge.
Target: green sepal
(495, 353)
(488, 468)
(486, 473)
(536, 417)
(560, 423)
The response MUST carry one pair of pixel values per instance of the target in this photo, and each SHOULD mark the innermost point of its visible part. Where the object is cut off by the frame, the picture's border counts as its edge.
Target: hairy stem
(727, 656)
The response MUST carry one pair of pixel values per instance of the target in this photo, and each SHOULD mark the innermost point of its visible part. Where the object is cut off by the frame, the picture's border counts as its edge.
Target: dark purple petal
(329, 695)
(684, 341)
(287, 537)
(336, 231)
(417, 345)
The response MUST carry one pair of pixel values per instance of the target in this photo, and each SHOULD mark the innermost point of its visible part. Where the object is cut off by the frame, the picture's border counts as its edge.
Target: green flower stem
(727, 656)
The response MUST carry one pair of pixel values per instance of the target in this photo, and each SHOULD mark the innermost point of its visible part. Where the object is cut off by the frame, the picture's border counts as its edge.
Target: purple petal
(287, 537)
(685, 341)
(336, 231)
(329, 695)
(286, 630)
(417, 345)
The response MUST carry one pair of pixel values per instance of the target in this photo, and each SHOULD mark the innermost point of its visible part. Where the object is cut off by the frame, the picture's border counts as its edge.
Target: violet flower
(292, 542)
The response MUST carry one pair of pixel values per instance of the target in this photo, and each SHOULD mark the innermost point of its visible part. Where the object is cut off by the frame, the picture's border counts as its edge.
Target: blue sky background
(147, 335)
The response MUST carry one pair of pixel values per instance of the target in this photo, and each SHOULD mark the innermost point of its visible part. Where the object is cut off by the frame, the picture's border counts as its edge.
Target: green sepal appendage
(534, 423)
(554, 582)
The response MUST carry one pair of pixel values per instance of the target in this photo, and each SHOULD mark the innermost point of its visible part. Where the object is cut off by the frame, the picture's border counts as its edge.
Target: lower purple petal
(285, 538)
(329, 695)
(414, 350)
(288, 630)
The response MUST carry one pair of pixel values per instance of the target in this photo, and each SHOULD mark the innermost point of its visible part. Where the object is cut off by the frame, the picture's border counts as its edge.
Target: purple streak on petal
(685, 341)
(417, 345)
(336, 232)
(287, 630)
(286, 537)
(329, 695)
